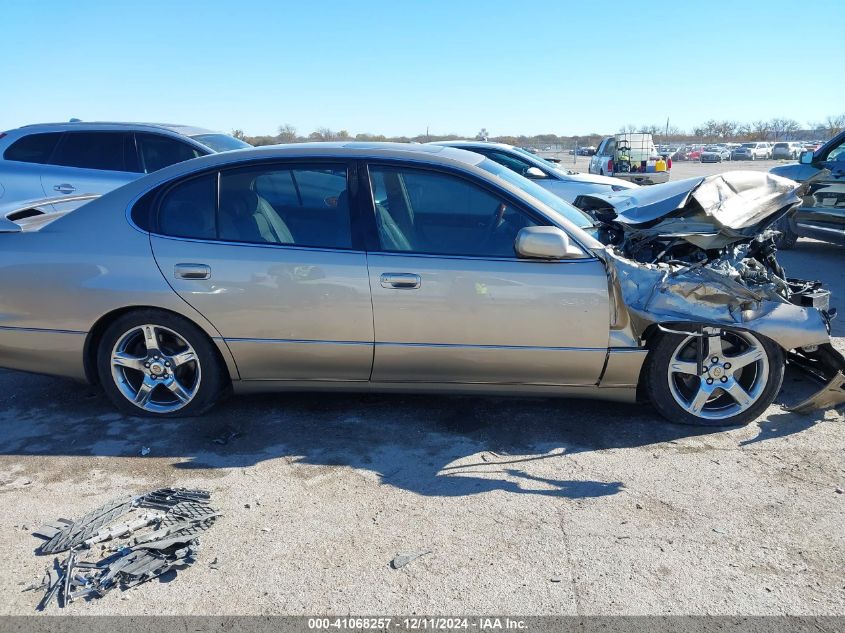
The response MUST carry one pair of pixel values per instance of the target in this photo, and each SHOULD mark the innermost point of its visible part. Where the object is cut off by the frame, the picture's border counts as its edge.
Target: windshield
(545, 163)
(577, 217)
(221, 142)
(749, 145)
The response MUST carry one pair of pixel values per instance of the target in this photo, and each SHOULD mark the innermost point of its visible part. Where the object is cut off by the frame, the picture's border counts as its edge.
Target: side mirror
(545, 242)
(535, 173)
(806, 157)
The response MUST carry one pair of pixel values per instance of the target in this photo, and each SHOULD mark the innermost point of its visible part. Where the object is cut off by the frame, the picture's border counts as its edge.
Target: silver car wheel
(733, 376)
(155, 368)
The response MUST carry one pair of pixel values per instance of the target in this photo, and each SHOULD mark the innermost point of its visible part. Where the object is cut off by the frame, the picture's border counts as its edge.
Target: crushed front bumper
(826, 365)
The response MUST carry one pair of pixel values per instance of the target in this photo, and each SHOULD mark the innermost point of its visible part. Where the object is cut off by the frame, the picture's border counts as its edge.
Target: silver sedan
(390, 267)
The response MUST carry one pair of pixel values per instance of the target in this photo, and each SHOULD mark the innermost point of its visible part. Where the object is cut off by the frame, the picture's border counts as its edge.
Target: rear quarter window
(33, 148)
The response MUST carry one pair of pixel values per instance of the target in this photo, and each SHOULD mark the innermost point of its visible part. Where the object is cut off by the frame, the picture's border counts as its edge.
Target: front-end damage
(698, 255)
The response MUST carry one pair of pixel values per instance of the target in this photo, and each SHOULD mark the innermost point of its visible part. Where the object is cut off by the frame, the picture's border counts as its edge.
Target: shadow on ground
(430, 445)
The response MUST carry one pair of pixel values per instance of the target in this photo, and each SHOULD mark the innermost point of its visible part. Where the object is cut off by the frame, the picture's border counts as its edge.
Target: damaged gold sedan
(695, 261)
(386, 267)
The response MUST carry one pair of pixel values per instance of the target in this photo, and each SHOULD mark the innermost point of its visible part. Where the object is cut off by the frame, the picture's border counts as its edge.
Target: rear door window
(157, 151)
(108, 151)
(33, 148)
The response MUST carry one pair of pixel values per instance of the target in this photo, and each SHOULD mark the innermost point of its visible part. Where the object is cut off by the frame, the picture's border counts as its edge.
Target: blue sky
(399, 66)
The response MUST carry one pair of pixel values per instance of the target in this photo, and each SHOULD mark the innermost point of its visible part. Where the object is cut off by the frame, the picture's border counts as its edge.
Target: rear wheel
(740, 376)
(158, 364)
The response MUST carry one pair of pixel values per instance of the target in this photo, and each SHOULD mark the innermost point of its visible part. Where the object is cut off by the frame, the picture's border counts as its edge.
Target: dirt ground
(526, 506)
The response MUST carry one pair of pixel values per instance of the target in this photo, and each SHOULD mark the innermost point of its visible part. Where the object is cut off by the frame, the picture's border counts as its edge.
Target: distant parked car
(694, 152)
(564, 184)
(752, 151)
(53, 160)
(787, 150)
(588, 150)
(822, 212)
(715, 154)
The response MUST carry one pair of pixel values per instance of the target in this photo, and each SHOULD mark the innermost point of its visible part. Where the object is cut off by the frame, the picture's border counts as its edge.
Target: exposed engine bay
(702, 251)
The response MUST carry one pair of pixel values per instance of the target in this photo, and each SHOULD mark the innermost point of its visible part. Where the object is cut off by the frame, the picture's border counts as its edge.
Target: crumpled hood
(709, 212)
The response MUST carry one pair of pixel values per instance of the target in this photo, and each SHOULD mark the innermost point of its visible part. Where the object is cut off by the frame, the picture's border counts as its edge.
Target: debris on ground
(403, 558)
(145, 450)
(152, 534)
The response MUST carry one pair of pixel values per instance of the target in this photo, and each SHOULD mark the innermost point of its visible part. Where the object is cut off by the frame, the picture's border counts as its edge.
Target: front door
(452, 303)
(266, 254)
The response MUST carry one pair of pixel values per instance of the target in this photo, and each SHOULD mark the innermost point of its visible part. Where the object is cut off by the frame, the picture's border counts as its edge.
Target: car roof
(470, 143)
(184, 130)
(354, 149)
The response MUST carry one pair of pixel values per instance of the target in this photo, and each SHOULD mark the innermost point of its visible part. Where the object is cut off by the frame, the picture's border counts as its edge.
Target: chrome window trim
(591, 258)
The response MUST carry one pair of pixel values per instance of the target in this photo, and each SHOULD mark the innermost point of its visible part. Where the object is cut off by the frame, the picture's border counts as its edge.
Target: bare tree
(482, 135)
(322, 134)
(238, 134)
(287, 133)
(760, 130)
(834, 124)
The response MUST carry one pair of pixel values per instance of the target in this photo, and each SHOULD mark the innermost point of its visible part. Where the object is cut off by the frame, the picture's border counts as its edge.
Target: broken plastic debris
(145, 451)
(403, 558)
(178, 516)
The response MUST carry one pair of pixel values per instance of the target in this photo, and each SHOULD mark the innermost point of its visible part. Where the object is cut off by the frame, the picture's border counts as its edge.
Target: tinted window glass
(221, 142)
(187, 210)
(110, 151)
(157, 151)
(511, 162)
(35, 148)
(301, 205)
(427, 212)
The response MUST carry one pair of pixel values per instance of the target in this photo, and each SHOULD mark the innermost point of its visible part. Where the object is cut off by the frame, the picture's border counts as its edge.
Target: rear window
(221, 142)
(108, 151)
(781, 145)
(34, 148)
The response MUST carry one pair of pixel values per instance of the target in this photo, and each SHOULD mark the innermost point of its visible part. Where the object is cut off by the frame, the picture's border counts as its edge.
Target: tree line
(778, 128)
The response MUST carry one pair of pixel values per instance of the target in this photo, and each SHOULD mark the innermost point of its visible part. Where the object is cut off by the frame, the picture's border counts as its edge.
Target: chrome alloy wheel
(155, 368)
(734, 373)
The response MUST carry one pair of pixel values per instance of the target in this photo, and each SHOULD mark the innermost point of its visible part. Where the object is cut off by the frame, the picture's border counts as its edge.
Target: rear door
(266, 254)
(90, 162)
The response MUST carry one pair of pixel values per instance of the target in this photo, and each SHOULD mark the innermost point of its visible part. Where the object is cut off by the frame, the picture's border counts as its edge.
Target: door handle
(64, 188)
(191, 271)
(405, 281)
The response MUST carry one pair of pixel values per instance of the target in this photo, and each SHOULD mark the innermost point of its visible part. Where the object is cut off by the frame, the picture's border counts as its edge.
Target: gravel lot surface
(528, 506)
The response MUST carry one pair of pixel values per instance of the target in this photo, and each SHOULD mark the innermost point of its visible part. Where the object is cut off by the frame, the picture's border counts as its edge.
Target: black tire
(656, 379)
(213, 381)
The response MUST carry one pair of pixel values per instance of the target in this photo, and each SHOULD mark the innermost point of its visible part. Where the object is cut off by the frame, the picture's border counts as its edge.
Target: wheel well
(95, 335)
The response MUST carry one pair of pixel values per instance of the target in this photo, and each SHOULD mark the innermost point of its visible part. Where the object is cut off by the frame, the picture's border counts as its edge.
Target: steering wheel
(496, 220)
(494, 223)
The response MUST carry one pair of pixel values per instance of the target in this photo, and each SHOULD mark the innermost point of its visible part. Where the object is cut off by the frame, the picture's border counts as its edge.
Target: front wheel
(739, 376)
(159, 364)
